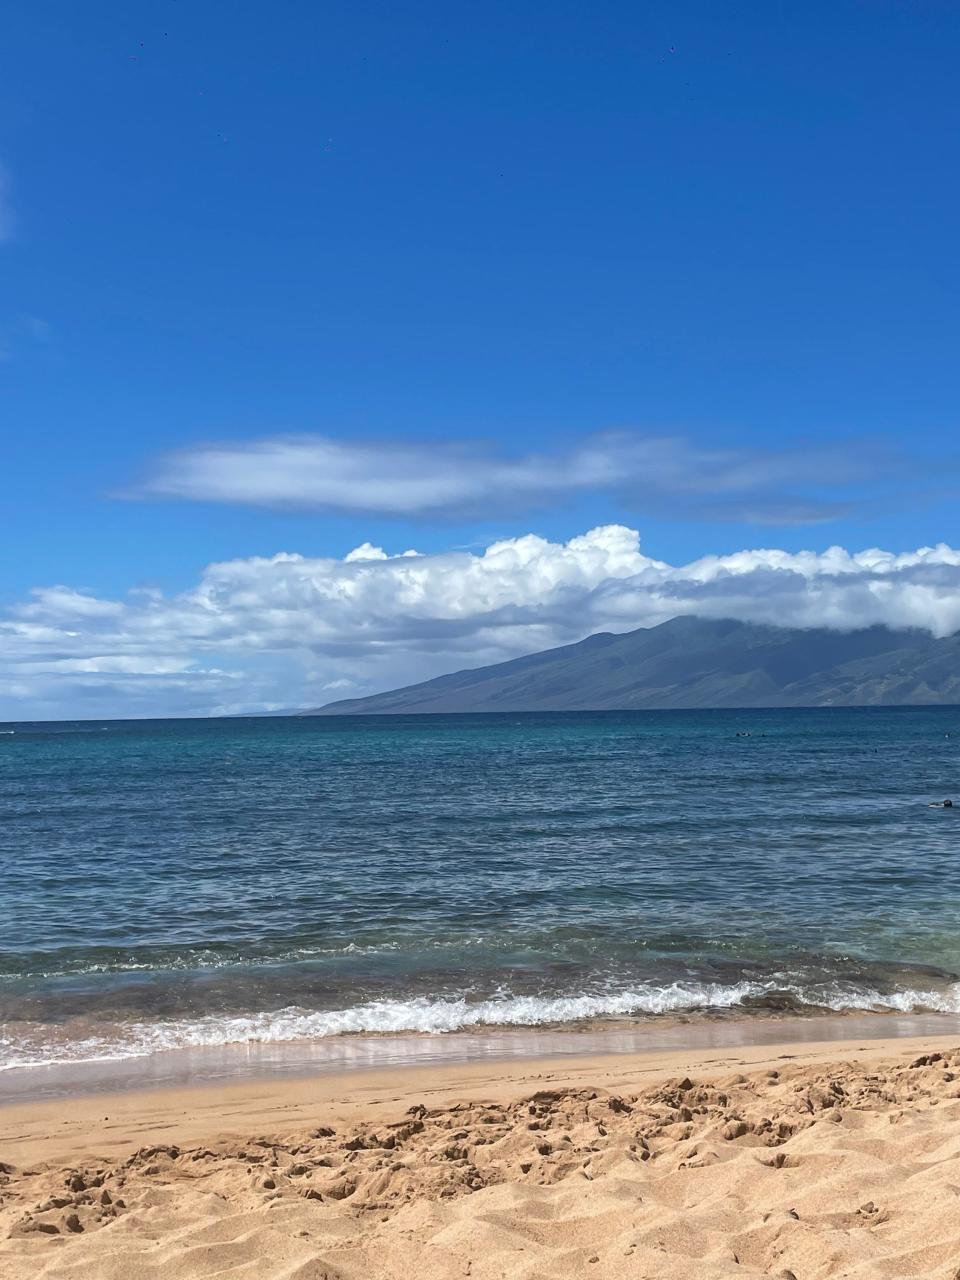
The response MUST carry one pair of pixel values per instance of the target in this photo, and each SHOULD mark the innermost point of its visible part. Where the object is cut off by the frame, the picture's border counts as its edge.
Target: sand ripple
(846, 1170)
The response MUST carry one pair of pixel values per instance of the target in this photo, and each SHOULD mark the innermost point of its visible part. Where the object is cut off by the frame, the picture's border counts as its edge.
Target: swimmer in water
(941, 804)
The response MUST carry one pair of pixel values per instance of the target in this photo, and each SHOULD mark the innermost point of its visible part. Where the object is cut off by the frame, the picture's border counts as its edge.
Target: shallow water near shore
(183, 885)
(226, 1064)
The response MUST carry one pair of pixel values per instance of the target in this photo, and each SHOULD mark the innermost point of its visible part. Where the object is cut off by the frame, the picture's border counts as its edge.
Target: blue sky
(686, 268)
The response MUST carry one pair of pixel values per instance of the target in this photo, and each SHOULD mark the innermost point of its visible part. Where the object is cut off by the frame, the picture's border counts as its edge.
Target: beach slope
(804, 1161)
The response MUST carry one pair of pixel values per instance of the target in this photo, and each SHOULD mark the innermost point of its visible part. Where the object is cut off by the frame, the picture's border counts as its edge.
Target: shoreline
(219, 1065)
(41, 1128)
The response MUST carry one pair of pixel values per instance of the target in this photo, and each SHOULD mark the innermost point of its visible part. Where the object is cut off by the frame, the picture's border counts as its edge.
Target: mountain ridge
(694, 663)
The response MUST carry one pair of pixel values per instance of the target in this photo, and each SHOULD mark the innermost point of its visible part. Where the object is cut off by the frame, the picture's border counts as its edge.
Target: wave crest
(35, 1045)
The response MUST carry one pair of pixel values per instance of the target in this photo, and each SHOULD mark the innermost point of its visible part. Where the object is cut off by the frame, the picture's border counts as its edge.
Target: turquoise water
(172, 883)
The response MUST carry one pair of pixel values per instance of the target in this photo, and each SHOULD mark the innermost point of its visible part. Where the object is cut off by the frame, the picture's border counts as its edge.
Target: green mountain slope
(696, 662)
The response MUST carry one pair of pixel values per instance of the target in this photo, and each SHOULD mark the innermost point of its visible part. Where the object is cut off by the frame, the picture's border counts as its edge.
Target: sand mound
(847, 1170)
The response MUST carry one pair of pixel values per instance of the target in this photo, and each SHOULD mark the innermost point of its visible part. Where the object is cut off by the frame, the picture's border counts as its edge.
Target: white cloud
(405, 480)
(366, 551)
(269, 632)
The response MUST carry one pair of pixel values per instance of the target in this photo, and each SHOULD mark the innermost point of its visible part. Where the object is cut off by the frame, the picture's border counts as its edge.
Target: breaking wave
(28, 1045)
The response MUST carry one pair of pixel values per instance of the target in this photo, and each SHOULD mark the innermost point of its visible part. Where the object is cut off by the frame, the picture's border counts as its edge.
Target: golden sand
(805, 1161)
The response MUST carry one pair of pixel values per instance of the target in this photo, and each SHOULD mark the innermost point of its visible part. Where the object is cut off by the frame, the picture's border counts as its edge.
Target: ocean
(181, 883)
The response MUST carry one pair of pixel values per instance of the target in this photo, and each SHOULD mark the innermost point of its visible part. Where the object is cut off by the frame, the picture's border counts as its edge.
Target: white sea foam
(23, 1047)
(909, 1000)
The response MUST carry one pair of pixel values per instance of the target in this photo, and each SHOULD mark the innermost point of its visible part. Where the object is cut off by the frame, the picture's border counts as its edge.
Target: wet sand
(804, 1157)
(225, 1064)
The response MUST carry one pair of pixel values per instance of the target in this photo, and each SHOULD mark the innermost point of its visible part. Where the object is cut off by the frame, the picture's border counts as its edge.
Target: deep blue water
(201, 881)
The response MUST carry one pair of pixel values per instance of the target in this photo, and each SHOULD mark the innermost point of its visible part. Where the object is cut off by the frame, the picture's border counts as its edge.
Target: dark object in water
(777, 1002)
(942, 804)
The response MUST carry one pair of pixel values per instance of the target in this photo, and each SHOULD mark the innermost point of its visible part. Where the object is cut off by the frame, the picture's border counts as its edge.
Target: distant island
(695, 663)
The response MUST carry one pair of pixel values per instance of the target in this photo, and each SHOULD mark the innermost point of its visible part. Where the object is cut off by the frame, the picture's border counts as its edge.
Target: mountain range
(695, 663)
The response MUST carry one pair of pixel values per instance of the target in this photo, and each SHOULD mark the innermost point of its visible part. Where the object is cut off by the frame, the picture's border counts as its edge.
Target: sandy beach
(794, 1159)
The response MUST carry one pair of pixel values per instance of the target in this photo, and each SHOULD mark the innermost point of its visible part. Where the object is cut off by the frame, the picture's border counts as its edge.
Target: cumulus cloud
(408, 480)
(268, 632)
